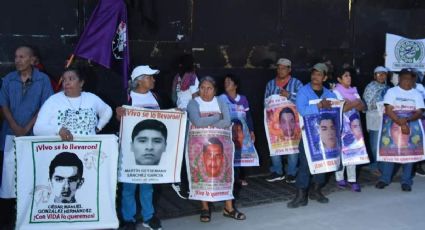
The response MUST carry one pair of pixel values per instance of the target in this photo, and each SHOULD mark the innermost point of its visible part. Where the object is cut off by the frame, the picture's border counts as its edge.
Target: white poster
(66, 185)
(322, 138)
(403, 52)
(151, 143)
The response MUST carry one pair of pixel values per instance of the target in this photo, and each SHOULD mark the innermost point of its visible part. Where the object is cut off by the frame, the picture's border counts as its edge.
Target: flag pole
(68, 63)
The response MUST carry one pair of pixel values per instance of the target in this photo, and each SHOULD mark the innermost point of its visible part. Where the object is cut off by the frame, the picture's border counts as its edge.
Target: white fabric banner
(66, 185)
(8, 182)
(322, 138)
(209, 160)
(403, 52)
(152, 143)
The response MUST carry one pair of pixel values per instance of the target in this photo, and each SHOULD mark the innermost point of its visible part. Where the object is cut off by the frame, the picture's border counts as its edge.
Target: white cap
(284, 61)
(380, 69)
(143, 70)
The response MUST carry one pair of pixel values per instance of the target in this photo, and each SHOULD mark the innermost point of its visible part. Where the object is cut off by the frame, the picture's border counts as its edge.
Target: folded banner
(209, 157)
(353, 146)
(8, 182)
(66, 185)
(152, 143)
(393, 146)
(282, 126)
(322, 138)
(403, 52)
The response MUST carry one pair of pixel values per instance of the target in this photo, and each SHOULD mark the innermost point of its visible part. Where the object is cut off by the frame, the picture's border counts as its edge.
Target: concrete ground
(389, 208)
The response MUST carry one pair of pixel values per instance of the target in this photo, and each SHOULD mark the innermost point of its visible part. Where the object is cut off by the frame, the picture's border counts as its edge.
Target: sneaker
(153, 224)
(419, 171)
(406, 188)
(355, 187)
(290, 179)
(182, 193)
(275, 177)
(341, 183)
(381, 185)
(128, 226)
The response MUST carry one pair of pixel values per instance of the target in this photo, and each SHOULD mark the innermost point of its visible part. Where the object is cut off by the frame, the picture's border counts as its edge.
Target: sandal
(205, 215)
(235, 214)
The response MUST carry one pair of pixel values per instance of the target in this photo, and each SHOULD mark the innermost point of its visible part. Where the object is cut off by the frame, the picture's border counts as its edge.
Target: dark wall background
(241, 37)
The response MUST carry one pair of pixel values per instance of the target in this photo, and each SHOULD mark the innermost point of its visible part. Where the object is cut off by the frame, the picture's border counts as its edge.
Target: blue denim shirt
(23, 101)
(306, 94)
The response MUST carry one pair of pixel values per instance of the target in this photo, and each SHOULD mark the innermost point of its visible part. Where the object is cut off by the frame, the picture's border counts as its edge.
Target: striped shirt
(292, 87)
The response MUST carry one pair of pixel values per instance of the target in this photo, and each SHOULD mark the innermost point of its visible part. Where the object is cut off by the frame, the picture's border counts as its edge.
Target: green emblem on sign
(409, 51)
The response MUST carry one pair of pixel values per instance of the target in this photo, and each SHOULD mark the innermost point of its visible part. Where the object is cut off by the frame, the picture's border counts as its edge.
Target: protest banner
(393, 146)
(353, 146)
(403, 52)
(209, 158)
(66, 185)
(245, 152)
(322, 137)
(282, 125)
(151, 145)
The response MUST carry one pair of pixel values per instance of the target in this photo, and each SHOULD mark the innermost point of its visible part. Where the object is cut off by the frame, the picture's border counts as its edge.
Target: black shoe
(299, 200)
(128, 226)
(290, 179)
(381, 185)
(419, 171)
(181, 192)
(315, 193)
(153, 224)
(406, 188)
(275, 177)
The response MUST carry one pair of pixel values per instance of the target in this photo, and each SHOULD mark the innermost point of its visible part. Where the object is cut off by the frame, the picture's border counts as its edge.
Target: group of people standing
(30, 107)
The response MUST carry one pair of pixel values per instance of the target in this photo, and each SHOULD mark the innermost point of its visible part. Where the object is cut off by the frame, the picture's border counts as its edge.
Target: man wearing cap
(142, 82)
(403, 105)
(311, 91)
(373, 96)
(286, 86)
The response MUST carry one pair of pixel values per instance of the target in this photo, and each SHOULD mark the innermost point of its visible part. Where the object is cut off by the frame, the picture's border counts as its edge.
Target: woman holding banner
(142, 82)
(352, 134)
(242, 129)
(373, 96)
(313, 91)
(208, 157)
(72, 111)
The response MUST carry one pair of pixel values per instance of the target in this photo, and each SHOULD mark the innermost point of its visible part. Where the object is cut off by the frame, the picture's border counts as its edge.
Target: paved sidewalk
(389, 208)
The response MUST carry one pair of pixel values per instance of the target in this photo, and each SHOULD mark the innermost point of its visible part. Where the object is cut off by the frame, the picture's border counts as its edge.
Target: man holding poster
(286, 86)
(313, 91)
(401, 135)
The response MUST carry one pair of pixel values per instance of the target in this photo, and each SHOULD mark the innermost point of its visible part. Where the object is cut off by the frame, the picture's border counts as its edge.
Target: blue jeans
(128, 203)
(304, 176)
(277, 166)
(388, 169)
(373, 141)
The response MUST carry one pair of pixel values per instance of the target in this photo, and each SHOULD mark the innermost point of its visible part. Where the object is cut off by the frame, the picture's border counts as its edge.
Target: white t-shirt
(421, 89)
(183, 97)
(144, 100)
(208, 107)
(404, 100)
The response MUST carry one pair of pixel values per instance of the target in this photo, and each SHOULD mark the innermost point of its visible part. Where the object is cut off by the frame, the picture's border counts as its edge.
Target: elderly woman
(72, 111)
(207, 110)
(142, 82)
(239, 109)
(373, 94)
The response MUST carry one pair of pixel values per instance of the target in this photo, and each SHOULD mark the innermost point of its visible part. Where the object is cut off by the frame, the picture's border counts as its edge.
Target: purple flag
(105, 37)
